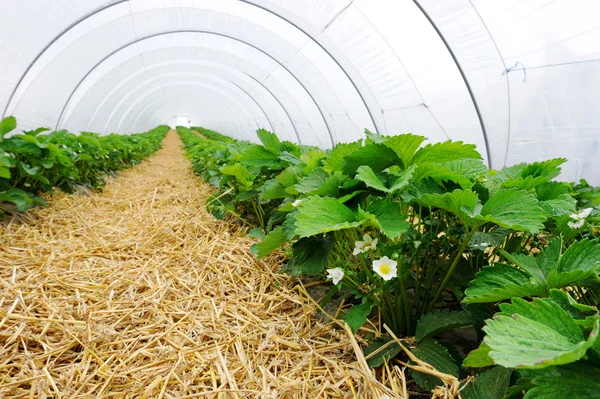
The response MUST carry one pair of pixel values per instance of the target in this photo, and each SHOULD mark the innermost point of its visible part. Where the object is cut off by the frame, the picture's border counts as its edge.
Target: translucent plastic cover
(518, 78)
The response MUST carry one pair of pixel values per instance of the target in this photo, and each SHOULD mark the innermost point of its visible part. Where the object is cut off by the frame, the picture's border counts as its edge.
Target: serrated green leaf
(431, 352)
(535, 334)
(490, 384)
(388, 217)
(573, 381)
(256, 232)
(269, 140)
(318, 182)
(403, 181)
(271, 189)
(310, 255)
(357, 315)
(259, 157)
(376, 156)
(289, 176)
(271, 242)
(365, 174)
(500, 282)
(240, 173)
(17, 197)
(446, 151)
(318, 215)
(439, 321)
(375, 138)
(580, 261)
(335, 159)
(406, 146)
(441, 174)
(514, 209)
(461, 203)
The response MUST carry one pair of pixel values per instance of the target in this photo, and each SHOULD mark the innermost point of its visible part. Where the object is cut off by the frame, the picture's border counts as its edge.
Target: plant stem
(444, 283)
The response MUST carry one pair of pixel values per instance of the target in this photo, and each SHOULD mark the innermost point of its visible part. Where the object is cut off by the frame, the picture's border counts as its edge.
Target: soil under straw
(137, 292)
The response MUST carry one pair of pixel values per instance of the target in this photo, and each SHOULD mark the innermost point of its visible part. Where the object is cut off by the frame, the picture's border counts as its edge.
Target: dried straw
(137, 292)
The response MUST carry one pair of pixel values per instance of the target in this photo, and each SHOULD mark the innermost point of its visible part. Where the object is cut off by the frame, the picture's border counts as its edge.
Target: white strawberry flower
(296, 203)
(364, 246)
(577, 224)
(336, 275)
(579, 218)
(386, 268)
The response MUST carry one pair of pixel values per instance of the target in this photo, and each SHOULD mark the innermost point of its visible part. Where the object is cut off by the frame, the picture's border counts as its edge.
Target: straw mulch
(137, 292)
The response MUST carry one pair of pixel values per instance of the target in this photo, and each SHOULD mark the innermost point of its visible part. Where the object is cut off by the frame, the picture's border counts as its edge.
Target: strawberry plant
(37, 162)
(426, 239)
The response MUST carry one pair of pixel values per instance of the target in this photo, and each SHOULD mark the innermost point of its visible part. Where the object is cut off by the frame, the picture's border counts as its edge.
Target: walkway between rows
(137, 292)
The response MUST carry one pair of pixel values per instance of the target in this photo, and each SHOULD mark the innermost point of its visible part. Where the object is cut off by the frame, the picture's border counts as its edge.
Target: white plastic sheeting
(519, 78)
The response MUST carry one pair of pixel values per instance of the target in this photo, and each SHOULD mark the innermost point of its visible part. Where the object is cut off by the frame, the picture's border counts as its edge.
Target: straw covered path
(136, 292)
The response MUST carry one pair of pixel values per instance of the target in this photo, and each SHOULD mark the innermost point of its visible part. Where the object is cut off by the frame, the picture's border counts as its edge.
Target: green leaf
(574, 381)
(269, 140)
(389, 217)
(439, 321)
(259, 157)
(318, 182)
(461, 203)
(310, 255)
(289, 176)
(375, 138)
(290, 158)
(391, 350)
(446, 151)
(431, 352)
(579, 262)
(318, 215)
(271, 242)
(256, 232)
(7, 125)
(490, 384)
(576, 310)
(406, 146)
(312, 159)
(479, 357)
(500, 282)
(241, 174)
(365, 174)
(376, 156)
(335, 160)
(357, 315)
(17, 197)
(441, 174)
(535, 334)
(514, 209)
(271, 189)
(403, 181)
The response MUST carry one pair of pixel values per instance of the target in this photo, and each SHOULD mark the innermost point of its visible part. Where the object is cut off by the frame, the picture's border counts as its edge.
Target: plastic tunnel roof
(518, 78)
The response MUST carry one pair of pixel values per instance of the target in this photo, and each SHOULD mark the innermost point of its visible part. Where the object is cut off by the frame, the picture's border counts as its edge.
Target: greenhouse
(300, 199)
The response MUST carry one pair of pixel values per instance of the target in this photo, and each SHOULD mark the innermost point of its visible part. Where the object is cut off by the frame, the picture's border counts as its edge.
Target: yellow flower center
(385, 269)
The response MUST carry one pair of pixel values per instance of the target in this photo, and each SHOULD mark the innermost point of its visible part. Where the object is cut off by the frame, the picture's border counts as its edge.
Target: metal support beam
(464, 77)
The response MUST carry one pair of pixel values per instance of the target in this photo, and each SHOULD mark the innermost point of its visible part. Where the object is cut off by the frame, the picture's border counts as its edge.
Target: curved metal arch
(144, 107)
(464, 77)
(215, 79)
(252, 78)
(117, 2)
(206, 87)
(137, 40)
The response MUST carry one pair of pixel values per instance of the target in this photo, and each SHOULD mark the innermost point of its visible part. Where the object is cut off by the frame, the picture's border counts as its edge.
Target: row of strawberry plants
(37, 162)
(493, 270)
